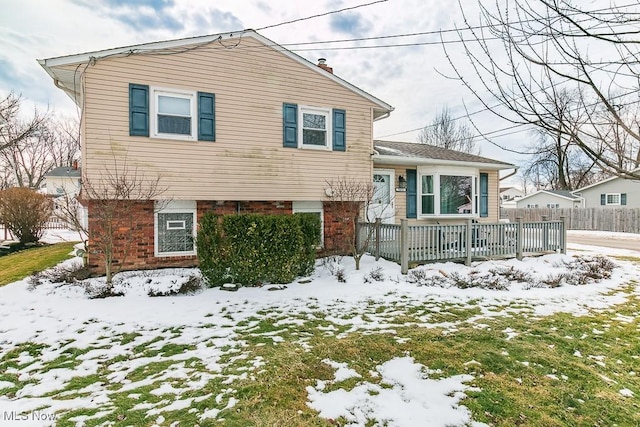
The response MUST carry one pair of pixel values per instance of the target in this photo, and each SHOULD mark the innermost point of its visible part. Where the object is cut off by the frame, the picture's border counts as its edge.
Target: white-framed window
(314, 130)
(448, 192)
(174, 114)
(175, 227)
(553, 205)
(532, 206)
(314, 207)
(612, 198)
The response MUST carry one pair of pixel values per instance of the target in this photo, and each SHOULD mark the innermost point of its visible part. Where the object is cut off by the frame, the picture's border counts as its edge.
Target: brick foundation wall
(134, 233)
(339, 232)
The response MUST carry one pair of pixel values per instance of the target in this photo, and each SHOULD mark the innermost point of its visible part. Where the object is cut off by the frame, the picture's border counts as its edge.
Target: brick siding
(134, 232)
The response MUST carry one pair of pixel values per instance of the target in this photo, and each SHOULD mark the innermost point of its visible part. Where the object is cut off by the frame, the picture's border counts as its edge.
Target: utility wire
(321, 14)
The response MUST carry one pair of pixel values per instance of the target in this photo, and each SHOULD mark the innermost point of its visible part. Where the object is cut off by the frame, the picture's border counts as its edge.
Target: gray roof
(564, 193)
(425, 151)
(65, 171)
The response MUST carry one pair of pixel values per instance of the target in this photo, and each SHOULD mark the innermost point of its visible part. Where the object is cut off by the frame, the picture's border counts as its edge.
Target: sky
(413, 79)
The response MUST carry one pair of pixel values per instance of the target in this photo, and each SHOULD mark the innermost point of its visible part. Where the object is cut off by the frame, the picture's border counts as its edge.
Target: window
(311, 207)
(428, 195)
(174, 228)
(174, 114)
(613, 198)
(315, 129)
(171, 113)
(553, 205)
(446, 194)
(533, 206)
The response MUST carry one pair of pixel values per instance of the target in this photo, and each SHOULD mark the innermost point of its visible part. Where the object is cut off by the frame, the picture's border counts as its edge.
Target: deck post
(563, 235)
(469, 242)
(545, 233)
(404, 246)
(519, 238)
(377, 231)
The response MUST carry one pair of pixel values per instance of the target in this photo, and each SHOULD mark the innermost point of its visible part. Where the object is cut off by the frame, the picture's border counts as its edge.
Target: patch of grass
(19, 265)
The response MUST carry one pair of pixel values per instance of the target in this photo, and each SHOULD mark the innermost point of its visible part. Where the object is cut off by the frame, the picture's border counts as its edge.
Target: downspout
(515, 171)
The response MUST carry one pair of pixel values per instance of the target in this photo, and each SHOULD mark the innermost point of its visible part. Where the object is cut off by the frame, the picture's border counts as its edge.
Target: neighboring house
(429, 184)
(63, 185)
(63, 180)
(510, 193)
(553, 199)
(611, 192)
(231, 123)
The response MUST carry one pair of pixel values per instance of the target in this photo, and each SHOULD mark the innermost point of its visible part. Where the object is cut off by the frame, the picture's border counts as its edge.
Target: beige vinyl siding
(247, 161)
(401, 198)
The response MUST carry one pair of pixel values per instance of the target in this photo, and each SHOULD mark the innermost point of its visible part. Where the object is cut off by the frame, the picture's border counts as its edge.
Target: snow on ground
(207, 326)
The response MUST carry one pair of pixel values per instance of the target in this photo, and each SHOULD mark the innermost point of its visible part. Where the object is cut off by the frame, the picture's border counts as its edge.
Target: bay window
(448, 192)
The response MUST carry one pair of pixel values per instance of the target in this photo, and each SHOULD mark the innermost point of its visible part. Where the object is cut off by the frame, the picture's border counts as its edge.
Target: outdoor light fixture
(402, 183)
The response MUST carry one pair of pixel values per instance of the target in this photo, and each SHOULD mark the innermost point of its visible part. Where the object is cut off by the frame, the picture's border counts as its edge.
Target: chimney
(322, 63)
(75, 164)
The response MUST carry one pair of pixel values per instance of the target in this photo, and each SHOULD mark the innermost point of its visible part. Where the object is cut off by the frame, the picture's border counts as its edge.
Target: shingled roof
(65, 171)
(425, 151)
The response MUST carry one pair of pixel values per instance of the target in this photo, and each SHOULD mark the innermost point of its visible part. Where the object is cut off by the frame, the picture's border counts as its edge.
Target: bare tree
(524, 56)
(352, 200)
(446, 132)
(111, 198)
(54, 143)
(13, 128)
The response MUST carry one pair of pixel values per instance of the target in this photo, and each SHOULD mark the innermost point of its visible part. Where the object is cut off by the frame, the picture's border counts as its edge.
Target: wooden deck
(461, 242)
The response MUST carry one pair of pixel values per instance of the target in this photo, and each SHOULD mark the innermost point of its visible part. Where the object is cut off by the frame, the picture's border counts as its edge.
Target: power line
(321, 14)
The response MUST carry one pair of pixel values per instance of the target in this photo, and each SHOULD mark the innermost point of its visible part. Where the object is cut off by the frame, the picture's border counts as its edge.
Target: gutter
(418, 161)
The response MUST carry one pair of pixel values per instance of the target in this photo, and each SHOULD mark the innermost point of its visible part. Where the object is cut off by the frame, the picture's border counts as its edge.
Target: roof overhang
(68, 79)
(420, 161)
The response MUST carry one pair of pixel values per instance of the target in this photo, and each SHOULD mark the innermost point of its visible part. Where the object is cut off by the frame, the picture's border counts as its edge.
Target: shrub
(376, 274)
(25, 213)
(252, 249)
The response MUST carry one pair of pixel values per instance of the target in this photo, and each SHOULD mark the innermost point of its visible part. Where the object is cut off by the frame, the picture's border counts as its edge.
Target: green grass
(17, 266)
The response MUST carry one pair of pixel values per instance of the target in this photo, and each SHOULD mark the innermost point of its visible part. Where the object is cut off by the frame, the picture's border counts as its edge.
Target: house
(234, 123)
(611, 192)
(430, 185)
(553, 199)
(229, 122)
(508, 194)
(63, 180)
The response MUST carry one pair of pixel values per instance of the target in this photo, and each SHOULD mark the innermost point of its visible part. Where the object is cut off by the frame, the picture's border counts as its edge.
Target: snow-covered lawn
(136, 360)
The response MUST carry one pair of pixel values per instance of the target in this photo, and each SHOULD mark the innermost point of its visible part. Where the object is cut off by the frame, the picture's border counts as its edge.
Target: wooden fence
(626, 220)
(424, 243)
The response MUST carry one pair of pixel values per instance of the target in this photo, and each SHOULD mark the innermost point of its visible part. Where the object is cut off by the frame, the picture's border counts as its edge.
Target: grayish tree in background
(30, 147)
(448, 132)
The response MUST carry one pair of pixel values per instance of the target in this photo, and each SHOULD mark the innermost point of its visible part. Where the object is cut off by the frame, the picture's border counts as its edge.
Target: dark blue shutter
(339, 128)
(623, 199)
(484, 195)
(412, 193)
(206, 116)
(138, 110)
(290, 125)
(603, 199)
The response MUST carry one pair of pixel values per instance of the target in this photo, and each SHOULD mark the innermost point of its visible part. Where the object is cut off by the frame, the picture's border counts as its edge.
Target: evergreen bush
(253, 249)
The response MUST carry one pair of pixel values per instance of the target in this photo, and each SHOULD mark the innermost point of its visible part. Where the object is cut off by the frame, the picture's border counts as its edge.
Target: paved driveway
(609, 240)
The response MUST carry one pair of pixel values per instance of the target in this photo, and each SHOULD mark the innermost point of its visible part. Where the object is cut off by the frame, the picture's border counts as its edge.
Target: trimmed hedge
(252, 249)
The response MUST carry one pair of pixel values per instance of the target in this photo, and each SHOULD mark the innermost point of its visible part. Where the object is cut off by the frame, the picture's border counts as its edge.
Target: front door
(382, 203)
